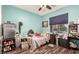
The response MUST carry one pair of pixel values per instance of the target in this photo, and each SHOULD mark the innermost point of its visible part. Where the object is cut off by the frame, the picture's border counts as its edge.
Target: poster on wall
(45, 24)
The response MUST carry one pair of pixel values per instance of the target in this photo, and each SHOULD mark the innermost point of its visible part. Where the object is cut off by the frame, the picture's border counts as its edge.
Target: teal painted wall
(73, 14)
(30, 20)
(34, 21)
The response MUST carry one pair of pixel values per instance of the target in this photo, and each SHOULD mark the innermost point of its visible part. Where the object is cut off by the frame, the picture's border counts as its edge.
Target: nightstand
(29, 41)
(24, 43)
(52, 39)
(63, 42)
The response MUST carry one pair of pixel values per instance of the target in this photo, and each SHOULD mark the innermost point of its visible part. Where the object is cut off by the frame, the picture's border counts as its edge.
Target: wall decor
(44, 23)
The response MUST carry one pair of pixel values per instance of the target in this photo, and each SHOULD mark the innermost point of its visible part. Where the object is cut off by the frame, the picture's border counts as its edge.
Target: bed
(37, 40)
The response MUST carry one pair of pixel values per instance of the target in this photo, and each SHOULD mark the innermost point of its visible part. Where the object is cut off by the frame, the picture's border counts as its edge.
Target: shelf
(9, 50)
(75, 38)
(8, 45)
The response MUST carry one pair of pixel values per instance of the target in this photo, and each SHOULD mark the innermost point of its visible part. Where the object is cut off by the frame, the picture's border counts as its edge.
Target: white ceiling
(34, 9)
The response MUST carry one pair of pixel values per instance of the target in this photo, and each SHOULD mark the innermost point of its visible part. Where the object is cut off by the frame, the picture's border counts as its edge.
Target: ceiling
(34, 9)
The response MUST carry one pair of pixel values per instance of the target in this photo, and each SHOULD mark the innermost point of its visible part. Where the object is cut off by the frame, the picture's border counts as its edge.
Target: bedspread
(38, 41)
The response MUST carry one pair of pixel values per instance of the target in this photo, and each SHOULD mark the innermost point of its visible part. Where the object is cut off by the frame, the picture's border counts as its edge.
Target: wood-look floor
(45, 50)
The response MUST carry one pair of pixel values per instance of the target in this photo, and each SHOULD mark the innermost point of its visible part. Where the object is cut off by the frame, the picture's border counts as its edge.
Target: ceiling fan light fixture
(46, 7)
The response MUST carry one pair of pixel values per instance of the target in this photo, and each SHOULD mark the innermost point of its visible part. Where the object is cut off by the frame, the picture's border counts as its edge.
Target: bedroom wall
(34, 21)
(73, 14)
(30, 20)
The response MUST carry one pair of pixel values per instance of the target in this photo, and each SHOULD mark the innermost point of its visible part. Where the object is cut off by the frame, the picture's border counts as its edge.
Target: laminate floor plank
(45, 50)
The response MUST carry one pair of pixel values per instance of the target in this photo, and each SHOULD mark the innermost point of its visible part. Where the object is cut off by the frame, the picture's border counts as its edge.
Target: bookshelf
(73, 28)
(8, 40)
(8, 45)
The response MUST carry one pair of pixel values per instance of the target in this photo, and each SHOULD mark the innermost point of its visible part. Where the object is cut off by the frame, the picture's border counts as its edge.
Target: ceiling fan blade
(47, 6)
(40, 8)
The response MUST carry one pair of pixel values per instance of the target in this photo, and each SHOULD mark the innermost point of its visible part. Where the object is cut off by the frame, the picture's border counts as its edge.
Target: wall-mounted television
(60, 19)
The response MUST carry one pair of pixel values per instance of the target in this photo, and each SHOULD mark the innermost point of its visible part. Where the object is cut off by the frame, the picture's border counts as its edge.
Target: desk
(74, 40)
(52, 39)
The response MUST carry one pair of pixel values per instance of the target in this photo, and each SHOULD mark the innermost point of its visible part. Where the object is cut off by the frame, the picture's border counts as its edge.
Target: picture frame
(45, 24)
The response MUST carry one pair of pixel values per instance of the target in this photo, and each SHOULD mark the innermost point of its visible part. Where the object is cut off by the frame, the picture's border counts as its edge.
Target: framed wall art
(44, 23)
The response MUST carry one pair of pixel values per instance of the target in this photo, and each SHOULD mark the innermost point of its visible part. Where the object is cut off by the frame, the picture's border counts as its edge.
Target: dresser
(75, 41)
(63, 42)
(52, 39)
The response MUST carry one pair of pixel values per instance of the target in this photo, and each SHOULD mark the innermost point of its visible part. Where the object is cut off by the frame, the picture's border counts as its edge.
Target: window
(59, 28)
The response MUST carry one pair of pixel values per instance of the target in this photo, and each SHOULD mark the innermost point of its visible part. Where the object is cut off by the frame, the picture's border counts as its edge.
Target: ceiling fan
(46, 6)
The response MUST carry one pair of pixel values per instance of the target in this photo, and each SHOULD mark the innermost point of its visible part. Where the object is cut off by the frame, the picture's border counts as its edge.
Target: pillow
(45, 34)
(37, 34)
